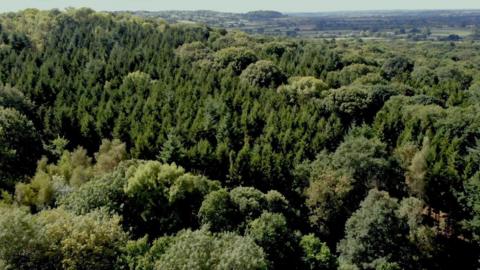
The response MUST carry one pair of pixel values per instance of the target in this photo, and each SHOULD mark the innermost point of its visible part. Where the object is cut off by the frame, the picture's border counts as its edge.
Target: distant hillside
(263, 15)
(403, 24)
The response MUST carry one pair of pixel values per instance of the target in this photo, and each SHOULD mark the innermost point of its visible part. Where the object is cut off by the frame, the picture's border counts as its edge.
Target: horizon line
(254, 10)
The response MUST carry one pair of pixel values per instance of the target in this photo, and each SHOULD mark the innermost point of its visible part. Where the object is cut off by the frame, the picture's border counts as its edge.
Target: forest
(132, 143)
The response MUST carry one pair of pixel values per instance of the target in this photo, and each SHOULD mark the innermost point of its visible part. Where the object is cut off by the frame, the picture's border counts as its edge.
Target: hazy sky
(242, 5)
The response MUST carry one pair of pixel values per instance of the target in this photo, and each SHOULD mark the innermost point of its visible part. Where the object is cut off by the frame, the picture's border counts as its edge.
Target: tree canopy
(128, 142)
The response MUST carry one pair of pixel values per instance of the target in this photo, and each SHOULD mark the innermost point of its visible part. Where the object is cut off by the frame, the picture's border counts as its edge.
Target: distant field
(411, 25)
(463, 32)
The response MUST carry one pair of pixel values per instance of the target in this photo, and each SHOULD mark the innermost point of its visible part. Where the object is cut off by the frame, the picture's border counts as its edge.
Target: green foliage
(232, 211)
(57, 147)
(20, 245)
(471, 201)
(437, 169)
(237, 58)
(424, 238)
(109, 155)
(357, 102)
(20, 147)
(263, 74)
(172, 150)
(75, 167)
(232, 39)
(339, 181)
(139, 254)
(105, 192)
(203, 250)
(164, 198)
(317, 255)
(407, 119)
(300, 88)
(364, 158)
(397, 67)
(270, 231)
(326, 198)
(417, 170)
(55, 239)
(92, 241)
(218, 211)
(155, 87)
(374, 236)
(347, 75)
(39, 192)
(73, 170)
(11, 97)
(249, 201)
(193, 51)
(277, 49)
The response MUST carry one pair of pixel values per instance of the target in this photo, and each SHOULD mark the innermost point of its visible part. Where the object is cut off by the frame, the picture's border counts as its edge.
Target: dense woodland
(130, 143)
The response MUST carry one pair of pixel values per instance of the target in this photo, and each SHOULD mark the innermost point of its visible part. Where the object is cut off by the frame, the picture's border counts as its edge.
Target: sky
(242, 5)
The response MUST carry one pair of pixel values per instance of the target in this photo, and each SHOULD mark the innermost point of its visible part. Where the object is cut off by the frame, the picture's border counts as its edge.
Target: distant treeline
(311, 24)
